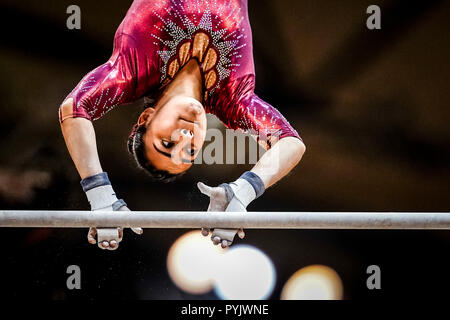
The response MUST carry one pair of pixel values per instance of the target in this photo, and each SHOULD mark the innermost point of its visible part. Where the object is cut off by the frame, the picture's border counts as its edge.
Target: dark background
(371, 106)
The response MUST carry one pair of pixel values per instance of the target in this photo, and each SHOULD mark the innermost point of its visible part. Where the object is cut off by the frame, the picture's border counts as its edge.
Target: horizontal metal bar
(251, 220)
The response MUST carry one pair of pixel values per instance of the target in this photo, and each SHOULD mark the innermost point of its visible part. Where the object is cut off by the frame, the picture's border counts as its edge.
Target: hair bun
(131, 138)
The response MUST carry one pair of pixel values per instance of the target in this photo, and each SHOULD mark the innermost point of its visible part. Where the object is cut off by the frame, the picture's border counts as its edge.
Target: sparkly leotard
(157, 38)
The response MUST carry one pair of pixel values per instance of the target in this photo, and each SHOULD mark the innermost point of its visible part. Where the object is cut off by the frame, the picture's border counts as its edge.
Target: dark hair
(136, 147)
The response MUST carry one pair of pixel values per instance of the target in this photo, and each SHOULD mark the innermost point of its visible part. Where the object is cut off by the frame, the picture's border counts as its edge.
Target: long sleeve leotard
(157, 38)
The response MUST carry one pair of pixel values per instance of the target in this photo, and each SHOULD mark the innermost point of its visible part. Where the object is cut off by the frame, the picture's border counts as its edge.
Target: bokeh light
(190, 262)
(316, 282)
(244, 273)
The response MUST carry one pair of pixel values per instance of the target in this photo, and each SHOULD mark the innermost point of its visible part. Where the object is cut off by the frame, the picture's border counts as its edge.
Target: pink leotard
(157, 38)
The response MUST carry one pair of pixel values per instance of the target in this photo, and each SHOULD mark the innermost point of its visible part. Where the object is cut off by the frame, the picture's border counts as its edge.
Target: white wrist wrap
(243, 191)
(102, 198)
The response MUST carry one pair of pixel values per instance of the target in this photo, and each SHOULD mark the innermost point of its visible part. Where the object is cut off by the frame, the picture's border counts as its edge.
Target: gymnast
(185, 58)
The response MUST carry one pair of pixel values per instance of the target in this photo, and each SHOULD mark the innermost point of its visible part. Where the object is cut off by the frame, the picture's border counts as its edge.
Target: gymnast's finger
(215, 240)
(225, 244)
(241, 233)
(137, 230)
(205, 231)
(91, 235)
(104, 245)
(206, 190)
(113, 244)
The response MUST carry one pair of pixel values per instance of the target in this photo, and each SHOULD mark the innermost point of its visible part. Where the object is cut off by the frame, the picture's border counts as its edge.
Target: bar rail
(250, 220)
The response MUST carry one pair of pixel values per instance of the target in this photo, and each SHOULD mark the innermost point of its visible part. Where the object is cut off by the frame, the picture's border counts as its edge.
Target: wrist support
(247, 188)
(100, 193)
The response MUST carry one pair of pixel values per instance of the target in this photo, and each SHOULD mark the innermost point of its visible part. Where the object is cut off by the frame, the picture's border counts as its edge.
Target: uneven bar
(250, 220)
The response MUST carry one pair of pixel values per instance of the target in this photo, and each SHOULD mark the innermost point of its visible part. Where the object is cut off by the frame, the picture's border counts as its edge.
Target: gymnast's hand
(102, 197)
(232, 197)
(113, 244)
(220, 200)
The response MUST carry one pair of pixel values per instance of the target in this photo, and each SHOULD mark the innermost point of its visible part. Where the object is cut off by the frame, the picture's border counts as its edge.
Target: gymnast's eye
(167, 144)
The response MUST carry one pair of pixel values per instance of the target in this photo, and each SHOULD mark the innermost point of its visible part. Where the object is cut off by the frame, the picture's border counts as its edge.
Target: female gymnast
(186, 58)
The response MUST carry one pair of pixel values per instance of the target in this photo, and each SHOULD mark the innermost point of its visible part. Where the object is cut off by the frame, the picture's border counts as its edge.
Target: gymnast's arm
(279, 160)
(242, 109)
(79, 136)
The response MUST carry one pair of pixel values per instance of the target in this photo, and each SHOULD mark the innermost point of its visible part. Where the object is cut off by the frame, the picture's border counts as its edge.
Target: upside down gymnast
(186, 58)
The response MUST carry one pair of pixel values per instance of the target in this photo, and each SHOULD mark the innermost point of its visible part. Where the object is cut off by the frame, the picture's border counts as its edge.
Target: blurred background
(371, 105)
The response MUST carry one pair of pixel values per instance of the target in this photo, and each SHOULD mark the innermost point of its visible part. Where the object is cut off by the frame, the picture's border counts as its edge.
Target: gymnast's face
(175, 133)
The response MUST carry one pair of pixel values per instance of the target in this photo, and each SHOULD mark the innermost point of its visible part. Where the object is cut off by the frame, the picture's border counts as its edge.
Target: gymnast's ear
(146, 116)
